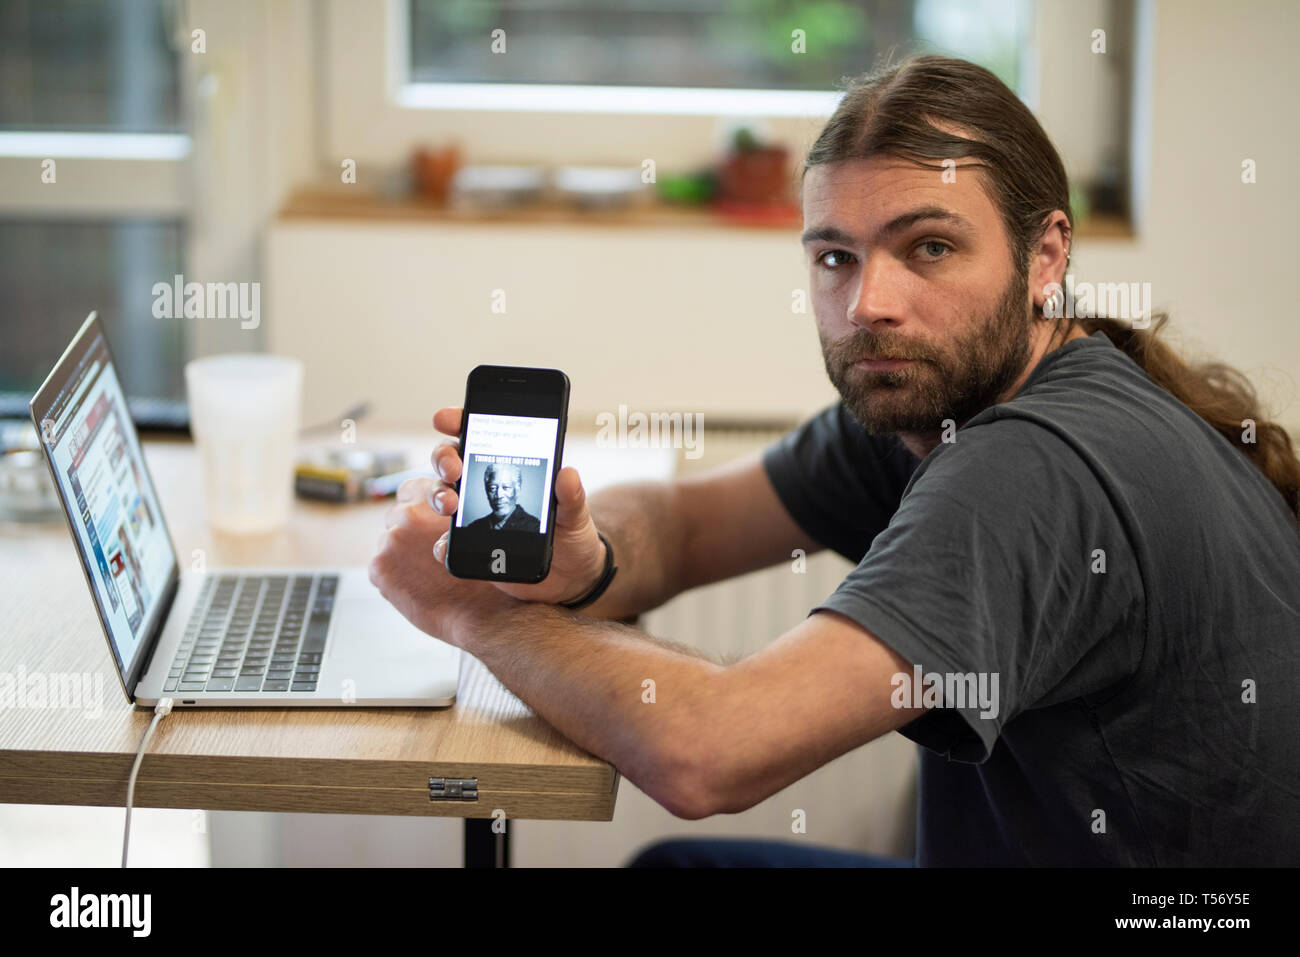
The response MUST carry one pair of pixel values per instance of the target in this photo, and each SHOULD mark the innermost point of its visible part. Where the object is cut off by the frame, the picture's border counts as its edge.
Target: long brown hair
(899, 111)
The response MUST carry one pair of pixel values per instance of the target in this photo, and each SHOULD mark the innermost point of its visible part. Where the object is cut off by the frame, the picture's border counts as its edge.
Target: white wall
(1220, 254)
(254, 139)
(661, 318)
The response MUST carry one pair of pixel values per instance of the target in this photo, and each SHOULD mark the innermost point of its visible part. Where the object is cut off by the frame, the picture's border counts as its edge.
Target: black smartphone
(511, 440)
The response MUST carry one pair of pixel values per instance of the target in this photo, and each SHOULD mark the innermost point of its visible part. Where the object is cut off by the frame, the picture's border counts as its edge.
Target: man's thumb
(571, 499)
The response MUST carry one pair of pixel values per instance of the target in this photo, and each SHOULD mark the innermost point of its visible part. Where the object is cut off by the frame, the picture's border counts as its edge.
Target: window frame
(100, 173)
(584, 98)
(371, 114)
(104, 176)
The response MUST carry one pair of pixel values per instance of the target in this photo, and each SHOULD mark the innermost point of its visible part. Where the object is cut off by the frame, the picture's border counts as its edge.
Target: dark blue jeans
(742, 852)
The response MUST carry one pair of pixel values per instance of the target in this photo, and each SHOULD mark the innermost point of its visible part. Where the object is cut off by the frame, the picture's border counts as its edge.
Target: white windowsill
(112, 146)
(679, 101)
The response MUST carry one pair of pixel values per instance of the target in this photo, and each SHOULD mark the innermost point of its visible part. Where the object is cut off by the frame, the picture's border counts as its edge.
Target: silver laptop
(270, 637)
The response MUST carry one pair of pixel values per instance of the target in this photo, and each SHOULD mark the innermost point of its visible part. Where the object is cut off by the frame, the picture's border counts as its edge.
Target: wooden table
(352, 761)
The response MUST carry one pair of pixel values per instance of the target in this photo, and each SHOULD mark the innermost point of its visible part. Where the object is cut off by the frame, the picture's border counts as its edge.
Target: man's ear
(1050, 258)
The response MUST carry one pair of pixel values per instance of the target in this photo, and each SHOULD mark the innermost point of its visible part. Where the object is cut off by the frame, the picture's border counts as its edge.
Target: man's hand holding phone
(578, 556)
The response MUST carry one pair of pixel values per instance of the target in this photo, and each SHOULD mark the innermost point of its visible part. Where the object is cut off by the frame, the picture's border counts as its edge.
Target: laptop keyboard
(255, 633)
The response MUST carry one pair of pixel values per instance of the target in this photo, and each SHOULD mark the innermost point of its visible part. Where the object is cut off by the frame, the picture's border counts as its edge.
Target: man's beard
(967, 378)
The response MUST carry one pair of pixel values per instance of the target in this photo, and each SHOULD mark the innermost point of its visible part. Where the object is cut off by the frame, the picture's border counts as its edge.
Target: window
(87, 66)
(710, 44)
(53, 272)
(735, 57)
(94, 87)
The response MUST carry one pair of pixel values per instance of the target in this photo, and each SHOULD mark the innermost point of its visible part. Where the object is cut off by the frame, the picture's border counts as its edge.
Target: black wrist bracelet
(606, 577)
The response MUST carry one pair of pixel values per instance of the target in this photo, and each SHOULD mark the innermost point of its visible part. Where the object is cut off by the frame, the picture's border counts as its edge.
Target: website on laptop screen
(110, 501)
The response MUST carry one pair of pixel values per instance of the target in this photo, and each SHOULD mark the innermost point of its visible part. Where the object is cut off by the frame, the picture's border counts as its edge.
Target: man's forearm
(645, 531)
(636, 701)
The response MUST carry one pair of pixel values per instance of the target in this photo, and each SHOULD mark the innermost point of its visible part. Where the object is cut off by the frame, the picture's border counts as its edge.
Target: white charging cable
(163, 708)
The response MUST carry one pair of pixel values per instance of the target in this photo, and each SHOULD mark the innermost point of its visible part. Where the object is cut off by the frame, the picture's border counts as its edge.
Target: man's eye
(934, 249)
(834, 258)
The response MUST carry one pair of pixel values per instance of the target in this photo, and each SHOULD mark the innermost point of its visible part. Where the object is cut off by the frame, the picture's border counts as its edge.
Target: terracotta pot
(433, 171)
(759, 176)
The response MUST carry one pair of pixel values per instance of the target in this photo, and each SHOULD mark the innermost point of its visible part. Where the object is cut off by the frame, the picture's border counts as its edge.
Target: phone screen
(506, 481)
(512, 438)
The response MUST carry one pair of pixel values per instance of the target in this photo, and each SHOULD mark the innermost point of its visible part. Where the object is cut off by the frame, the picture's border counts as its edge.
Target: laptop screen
(110, 502)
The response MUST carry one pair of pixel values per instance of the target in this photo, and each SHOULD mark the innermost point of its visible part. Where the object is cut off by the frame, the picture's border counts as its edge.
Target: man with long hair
(1078, 561)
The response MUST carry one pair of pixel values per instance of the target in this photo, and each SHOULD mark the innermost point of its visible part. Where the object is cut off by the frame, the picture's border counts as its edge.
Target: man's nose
(879, 296)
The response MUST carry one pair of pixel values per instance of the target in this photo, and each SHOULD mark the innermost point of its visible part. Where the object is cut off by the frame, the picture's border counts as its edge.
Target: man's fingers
(444, 501)
(395, 516)
(423, 489)
(446, 461)
(414, 489)
(447, 421)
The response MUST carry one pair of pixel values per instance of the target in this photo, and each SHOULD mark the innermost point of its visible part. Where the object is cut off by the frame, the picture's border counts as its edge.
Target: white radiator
(737, 617)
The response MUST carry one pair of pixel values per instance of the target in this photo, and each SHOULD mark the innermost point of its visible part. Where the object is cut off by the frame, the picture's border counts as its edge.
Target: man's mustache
(860, 346)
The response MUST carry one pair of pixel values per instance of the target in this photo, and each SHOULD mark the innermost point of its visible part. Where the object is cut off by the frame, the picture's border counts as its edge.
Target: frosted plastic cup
(245, 413)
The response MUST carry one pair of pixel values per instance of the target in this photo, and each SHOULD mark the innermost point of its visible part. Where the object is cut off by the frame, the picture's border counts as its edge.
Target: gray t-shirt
(1132, 581)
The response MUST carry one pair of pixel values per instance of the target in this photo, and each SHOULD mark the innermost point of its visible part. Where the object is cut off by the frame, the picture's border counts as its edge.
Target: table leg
(483, 848)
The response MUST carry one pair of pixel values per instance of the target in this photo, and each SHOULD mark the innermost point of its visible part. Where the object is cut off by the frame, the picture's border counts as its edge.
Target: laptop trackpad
(385, 656)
